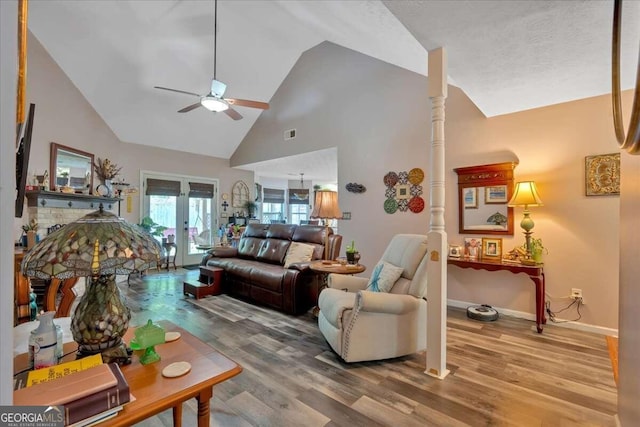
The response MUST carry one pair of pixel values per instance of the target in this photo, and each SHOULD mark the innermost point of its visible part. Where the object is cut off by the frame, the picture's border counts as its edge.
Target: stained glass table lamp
(97, 246)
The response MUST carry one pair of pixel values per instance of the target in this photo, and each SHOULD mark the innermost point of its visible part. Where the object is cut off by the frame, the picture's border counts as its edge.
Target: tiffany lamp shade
(97, 246)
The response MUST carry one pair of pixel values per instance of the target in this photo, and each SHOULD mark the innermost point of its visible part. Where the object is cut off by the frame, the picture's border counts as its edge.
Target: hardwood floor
(502, 373)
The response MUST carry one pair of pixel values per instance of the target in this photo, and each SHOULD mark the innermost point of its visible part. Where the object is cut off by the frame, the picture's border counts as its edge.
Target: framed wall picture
(472, 247)
(602, 175)
(495, 194)
(491, 248)
(470, 197)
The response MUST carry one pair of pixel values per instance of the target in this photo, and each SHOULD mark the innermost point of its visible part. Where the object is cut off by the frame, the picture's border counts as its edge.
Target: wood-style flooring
(503, 373)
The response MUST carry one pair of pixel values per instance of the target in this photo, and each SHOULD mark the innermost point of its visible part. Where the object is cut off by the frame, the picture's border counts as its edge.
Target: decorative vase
(107, 183)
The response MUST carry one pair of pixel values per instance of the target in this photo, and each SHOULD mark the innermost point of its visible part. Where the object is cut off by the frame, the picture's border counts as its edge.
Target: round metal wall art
(390, 179)
(416, 176)
(390, 206)
(416, 204)
(403, 191)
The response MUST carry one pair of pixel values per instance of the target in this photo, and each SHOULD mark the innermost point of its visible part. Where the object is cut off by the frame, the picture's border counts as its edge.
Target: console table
(535, 273)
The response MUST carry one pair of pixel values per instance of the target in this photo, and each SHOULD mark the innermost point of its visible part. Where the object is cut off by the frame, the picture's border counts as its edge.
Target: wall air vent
(289, 134)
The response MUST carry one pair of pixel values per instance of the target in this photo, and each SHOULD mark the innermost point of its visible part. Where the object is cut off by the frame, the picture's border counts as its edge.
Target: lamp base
(101, 320)
(120, 354)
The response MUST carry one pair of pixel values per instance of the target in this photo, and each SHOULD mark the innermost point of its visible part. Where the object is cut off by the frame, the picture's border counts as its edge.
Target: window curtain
(200, 190)
(273, 195)
(299, 196)
(162, 187)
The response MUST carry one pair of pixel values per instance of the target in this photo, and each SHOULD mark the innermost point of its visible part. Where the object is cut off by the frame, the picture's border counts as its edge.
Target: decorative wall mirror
(70, 168)
(483, 193)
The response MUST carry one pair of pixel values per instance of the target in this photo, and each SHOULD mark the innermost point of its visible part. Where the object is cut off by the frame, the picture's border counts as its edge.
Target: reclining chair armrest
(382, 302)
(347, 283)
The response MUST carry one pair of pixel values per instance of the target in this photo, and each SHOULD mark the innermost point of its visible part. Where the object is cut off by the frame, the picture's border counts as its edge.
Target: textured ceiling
(506, 55)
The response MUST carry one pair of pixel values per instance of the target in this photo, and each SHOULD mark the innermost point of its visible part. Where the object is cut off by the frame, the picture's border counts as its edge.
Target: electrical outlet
(576, 293)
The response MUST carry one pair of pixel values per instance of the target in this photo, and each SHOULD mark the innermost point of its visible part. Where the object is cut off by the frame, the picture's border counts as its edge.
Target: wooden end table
(155, 393)
(324, 268)
(535, 273)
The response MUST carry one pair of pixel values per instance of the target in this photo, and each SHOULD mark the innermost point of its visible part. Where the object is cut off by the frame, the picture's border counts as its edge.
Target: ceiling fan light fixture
(214, 104)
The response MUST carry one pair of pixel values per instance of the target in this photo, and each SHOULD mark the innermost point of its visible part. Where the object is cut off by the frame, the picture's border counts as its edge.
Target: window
(298, 213)
(272, 212)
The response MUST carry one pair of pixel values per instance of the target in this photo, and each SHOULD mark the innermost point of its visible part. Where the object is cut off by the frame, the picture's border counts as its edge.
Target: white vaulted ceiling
(506, 56)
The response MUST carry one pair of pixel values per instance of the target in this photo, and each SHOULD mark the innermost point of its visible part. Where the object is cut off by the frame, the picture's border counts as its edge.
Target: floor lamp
(526, 194)
(325, 207)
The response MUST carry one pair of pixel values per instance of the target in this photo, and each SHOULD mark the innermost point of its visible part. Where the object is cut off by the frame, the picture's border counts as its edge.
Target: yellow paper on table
(58, 371)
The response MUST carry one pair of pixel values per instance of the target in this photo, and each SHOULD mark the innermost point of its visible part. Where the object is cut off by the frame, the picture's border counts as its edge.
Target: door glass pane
(162, 209)
(200, 224)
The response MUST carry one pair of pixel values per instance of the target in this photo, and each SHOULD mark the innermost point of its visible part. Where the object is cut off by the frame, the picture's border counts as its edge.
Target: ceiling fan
(214, 101)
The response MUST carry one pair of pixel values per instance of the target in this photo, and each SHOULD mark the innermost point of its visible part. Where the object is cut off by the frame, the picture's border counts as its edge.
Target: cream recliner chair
(363, 325)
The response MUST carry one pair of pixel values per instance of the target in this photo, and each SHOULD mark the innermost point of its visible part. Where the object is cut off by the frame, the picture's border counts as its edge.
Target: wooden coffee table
(154, 393)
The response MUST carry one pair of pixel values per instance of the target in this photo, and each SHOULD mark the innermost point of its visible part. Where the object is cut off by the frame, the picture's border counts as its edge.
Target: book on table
(83, 394)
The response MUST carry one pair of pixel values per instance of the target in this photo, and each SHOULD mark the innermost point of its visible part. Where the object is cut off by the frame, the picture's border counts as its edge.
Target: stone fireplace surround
(50, 208)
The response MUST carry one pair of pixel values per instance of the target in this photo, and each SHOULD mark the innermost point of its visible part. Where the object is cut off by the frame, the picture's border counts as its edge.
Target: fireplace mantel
(52, 199)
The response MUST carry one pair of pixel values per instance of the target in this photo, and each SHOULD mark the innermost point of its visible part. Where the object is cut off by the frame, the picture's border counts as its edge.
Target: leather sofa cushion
(249, 247)
(268, 277)
(273, 251)
(311, 234)
(281, 231)
(256, 230)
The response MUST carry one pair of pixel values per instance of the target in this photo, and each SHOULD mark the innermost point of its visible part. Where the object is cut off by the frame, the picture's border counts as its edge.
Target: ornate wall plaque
(602, 174)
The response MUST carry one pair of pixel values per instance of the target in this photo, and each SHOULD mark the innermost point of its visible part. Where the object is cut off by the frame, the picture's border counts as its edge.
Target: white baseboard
(529, 316)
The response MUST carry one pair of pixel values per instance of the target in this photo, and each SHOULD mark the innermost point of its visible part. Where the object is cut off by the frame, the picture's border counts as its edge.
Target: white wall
(373, 112)
(8, 78)
(378, 116)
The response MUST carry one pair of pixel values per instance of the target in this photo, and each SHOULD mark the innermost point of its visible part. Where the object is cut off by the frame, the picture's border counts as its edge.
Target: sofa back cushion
(256, 230)
(281, 231)
(273, 251)
(249, 247)
(312, 235)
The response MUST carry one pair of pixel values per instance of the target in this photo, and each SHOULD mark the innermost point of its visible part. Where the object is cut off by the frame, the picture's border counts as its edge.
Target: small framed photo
(472, 246)
(495, 194)
(403, 191)
(491, 248)
(470, 197)
(455, 251)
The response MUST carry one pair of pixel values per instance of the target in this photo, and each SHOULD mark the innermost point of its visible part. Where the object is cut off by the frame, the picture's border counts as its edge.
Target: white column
(437, 243)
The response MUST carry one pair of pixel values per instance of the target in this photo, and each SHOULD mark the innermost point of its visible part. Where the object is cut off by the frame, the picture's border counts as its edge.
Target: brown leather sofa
(255, 269)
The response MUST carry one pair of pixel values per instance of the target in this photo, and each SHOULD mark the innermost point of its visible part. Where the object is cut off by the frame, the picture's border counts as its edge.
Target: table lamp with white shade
(526, 194)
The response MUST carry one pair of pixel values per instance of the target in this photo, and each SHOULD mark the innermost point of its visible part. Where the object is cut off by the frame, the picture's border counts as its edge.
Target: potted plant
(537, 249)
(152, 227)
(251, 208)
(352, 253)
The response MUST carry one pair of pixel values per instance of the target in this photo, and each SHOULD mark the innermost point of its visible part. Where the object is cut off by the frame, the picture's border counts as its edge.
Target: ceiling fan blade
(218, 88)
(232, 113)
(190, 107)
(248, 103)
(177, 90)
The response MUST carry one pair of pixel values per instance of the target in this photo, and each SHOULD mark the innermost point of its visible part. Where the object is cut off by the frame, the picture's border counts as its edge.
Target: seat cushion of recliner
(333, 302)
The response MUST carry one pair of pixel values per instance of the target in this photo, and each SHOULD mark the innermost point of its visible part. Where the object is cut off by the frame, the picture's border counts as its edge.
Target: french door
(186, 206)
